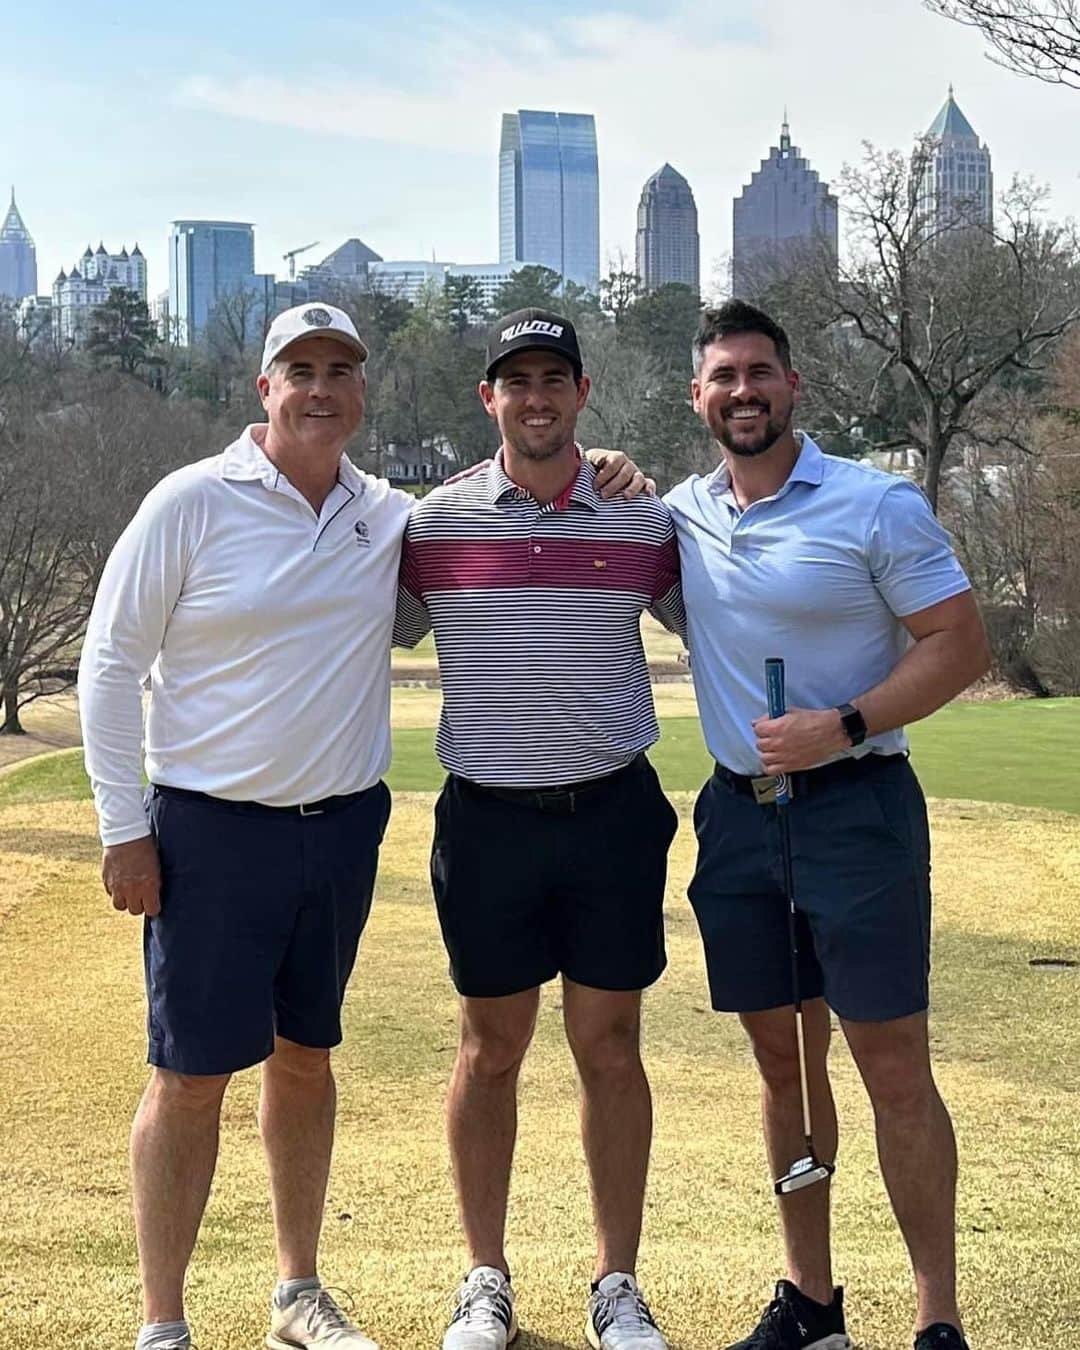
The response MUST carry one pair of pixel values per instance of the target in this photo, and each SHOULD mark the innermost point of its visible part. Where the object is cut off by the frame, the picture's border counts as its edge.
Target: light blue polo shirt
(819, 574)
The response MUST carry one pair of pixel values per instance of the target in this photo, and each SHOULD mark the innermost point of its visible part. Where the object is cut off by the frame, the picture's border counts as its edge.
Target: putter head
(806, 1172)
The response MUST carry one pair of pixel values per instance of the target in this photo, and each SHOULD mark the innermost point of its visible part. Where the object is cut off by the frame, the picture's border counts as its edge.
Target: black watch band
(854, 725)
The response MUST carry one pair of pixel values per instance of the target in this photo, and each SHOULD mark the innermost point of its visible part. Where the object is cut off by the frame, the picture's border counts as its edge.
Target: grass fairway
(71, 1069)
(1023, 751)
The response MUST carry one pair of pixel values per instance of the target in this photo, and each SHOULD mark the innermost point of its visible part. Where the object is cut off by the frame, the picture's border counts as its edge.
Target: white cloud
(685, 87)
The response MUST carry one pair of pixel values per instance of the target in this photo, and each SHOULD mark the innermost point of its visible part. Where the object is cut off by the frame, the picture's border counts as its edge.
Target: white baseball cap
(305, 321)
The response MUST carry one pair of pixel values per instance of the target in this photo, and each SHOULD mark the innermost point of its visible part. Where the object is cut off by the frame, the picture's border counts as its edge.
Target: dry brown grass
(71, 1052)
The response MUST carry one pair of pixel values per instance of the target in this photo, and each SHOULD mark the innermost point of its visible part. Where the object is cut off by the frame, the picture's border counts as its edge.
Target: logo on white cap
(317, 318)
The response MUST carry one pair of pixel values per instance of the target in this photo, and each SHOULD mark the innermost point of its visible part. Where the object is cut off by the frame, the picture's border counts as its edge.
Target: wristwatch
(854, 725)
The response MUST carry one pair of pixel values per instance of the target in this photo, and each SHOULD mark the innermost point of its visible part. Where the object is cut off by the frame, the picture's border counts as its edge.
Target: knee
(188, 1092)
(898, 1082)
(607, 1050)
(491, 1053)
(777, 1058)
(293, 1061)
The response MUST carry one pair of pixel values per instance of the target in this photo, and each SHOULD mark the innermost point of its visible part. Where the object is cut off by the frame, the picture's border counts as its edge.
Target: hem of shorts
(159, 1058)
(635, 987)
(518, 987)
(892, 1015)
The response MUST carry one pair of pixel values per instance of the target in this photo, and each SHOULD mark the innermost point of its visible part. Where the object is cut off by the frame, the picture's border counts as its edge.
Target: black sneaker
(940, 1336)
(794, 1322)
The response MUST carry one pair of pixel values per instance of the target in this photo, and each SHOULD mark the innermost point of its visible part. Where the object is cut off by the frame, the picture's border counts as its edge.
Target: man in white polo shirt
(237, 589)
(256, 592)
(844, 573)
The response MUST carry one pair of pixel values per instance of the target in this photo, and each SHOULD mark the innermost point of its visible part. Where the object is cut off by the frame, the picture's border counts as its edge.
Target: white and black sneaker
(794, 1322)
(619, 1318)
(484, 1316)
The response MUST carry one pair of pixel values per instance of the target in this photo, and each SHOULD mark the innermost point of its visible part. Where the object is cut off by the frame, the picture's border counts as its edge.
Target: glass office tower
(549, 193)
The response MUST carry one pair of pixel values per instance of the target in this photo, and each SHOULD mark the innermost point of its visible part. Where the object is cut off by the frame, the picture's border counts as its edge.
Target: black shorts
(526, 889)
(861, 864)
(261, 915)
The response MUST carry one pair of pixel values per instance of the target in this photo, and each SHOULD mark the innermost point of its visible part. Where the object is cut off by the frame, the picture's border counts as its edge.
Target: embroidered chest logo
(363, 534)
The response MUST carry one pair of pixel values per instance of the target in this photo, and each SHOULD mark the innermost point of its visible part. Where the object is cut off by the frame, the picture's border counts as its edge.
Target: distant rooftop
(950, 121)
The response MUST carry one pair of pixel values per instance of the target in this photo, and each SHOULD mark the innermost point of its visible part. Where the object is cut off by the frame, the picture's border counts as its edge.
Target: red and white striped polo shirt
(536, 611)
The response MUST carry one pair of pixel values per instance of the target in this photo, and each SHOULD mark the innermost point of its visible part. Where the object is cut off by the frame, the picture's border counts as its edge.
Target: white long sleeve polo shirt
(264, 630)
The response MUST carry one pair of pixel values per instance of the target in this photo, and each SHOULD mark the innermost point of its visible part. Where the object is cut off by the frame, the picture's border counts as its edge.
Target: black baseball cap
(529, 329)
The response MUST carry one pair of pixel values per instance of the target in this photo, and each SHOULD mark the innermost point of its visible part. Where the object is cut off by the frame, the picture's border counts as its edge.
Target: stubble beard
(772, 431)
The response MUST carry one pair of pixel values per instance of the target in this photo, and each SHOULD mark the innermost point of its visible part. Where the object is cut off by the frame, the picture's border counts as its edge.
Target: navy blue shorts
(261, 916)
(861, 861)
(526, 891)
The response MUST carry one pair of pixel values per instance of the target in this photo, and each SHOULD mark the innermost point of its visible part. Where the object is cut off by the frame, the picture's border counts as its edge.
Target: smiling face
(744, 394)
(535, 400)
(314, 395)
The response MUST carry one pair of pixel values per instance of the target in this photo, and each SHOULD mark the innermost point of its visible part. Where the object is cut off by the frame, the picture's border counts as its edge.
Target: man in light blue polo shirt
(843, 572)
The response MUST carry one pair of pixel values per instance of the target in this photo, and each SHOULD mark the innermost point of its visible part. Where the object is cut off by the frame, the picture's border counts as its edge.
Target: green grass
(71, 1070)
(1023, 751)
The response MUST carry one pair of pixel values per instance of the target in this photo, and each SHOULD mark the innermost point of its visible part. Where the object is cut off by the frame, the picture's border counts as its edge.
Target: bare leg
(481, 1115)
(603, 1029)
(174, 1142)
(296, 1120)
(917, 1152)
(804, 1215)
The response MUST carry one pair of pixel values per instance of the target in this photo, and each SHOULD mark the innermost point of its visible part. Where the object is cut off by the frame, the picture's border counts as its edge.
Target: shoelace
(624, 1308)
(779, 1316)
(324, 1313)
(483, 1295)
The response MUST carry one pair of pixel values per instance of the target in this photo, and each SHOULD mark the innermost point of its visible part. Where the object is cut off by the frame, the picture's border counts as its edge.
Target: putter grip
(774, 685)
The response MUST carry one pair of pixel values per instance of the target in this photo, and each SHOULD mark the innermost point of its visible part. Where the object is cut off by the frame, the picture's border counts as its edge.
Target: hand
(801, 739)
(616, 472)
(131, 874)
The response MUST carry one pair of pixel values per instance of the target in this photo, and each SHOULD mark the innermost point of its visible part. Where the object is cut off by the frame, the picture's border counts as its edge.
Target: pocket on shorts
(900, 807)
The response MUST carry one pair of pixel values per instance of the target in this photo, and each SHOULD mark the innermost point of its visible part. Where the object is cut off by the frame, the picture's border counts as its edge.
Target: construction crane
(290, 257)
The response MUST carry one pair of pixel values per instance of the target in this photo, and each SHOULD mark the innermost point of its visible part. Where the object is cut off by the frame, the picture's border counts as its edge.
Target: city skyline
(400, 146)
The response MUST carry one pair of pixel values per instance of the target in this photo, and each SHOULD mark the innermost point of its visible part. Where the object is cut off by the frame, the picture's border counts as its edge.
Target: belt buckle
(311, 811)
(767, 785)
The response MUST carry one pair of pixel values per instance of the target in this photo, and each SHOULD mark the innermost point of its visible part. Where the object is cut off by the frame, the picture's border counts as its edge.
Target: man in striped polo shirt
(534, 586)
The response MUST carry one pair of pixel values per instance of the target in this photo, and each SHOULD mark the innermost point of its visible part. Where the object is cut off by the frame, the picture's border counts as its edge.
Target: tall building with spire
(781, 214)
(668, 246)
(18, 257)
(956, 182)
(549, 194)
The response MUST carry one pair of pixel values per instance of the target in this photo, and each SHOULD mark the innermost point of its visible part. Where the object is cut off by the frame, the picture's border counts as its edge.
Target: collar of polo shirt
(808, 468)
(582, 490)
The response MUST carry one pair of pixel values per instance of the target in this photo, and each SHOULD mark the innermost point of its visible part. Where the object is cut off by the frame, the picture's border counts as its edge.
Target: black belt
(805, 780)
(563, 799)
(319, 808)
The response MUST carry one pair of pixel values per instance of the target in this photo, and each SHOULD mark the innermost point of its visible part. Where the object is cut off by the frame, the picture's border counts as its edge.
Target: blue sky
(334, 119)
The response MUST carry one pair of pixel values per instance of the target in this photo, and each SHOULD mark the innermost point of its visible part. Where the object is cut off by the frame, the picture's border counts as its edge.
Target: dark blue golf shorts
(531, 885)
(261, 915)
(861, 864)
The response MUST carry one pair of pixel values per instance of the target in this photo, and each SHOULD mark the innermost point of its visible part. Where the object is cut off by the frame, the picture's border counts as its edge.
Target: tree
(122, 330)
(924, 318)
(1038, 38)
(528, 288)
(462, 303)
(618, 291)
(665, 321)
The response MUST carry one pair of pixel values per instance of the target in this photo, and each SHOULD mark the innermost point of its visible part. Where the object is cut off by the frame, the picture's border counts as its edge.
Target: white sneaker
(484, 1317)
(314, 1318)
(619, 1317)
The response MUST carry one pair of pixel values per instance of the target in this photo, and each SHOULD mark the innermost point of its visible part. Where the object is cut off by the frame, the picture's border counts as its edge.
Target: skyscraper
(957, 184)
(208, 259)
(667, 232)
(18, 258)
(76, 294)
(549, 193)
(783, 212)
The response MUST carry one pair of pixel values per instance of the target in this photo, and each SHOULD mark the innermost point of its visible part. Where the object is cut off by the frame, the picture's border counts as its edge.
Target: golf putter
(810, 1169)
